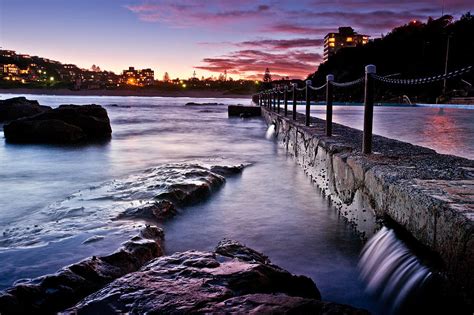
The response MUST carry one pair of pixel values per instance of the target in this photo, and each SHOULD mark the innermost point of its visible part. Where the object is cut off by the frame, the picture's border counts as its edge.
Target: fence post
(368, 109)
(308, 102)
(270, 99)
(274, 99)
(294, 101)
(285, 99)
(278, 99)
(329, 97)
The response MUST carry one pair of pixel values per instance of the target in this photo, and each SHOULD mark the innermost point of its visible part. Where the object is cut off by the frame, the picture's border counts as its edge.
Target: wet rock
(52, 293)
(43, 131)
(227, 170)
(159, 210)
(191, 192)
(278, 304)
(78, 123)
(230, 248)
(18, 107)
(244, 111)
(204, 282)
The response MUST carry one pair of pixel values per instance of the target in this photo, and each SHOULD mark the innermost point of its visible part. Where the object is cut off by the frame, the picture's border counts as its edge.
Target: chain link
(425, 80)
(347, 84)
(318, 87)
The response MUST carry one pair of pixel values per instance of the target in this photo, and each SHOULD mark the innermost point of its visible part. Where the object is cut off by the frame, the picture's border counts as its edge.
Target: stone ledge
(429, 194)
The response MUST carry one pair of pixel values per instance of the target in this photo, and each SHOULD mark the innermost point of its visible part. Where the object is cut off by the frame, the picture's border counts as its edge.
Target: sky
(242, 37)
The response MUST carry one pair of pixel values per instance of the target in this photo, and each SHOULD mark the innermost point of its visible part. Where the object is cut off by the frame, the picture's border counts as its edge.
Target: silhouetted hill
(411, 51)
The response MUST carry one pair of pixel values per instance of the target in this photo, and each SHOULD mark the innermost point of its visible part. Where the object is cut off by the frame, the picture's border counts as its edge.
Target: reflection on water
(446, 130)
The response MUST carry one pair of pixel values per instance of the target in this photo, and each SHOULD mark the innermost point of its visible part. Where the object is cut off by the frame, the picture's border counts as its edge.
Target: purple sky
(208, 36)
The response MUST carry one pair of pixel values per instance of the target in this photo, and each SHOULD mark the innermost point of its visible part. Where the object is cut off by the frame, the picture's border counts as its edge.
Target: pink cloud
(250, 63)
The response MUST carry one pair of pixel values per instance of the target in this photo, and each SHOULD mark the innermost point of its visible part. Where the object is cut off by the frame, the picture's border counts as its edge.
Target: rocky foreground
(29, 122)
(232, 279)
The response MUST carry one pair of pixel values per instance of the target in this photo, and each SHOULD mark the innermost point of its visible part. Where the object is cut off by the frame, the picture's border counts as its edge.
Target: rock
(184, 194)
(244, 111)
(43, 131)
(227, 170)
(204, 282)
(278, 304)
(53, 293)
(65, 124)
(234, 249)
(18, 107)
(158, 210)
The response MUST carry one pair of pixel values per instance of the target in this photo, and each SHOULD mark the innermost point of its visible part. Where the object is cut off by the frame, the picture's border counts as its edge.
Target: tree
(166, 77)
(267, 77)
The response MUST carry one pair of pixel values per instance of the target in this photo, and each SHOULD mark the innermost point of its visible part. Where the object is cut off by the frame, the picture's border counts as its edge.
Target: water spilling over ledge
(270, 134)
(390, 271)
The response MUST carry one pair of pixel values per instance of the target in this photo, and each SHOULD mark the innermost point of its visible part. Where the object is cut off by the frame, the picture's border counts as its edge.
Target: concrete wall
(428, 194)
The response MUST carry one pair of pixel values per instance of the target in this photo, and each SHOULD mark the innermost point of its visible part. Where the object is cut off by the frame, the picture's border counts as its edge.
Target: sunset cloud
(251, 63)
(285, 36)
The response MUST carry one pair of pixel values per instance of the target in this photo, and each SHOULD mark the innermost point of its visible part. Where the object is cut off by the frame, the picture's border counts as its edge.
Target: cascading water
(270, 132)
(392, 273)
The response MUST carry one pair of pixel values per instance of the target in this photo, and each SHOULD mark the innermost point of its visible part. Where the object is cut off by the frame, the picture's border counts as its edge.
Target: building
(7, 53)
(11, 69)
(346, 37)
(132, 76)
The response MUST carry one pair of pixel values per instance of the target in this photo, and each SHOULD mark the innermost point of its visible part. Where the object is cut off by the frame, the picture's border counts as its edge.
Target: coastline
(144, 93)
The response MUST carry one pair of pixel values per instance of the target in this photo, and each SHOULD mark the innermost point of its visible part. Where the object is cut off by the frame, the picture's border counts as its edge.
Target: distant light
(184, 85)
(51, 79)
(256, 82)
(23, 81)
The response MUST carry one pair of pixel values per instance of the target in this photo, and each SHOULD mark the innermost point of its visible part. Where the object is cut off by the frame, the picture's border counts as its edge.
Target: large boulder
(65, 124)
(18, 107)
(52, 293)
(243, 281)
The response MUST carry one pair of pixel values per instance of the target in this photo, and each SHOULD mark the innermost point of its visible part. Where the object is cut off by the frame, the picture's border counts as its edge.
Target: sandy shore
(182, 93)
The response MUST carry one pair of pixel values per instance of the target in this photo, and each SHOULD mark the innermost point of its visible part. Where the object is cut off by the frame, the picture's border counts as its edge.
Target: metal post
(294, 101)
(285, 100)
(446, 66)
(308, 102)
(274, 100)
(368, 109)
(279, 97)
(329, 97)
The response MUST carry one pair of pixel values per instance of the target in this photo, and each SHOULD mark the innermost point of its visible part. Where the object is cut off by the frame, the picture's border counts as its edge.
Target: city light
(184, 85)
(51, 79)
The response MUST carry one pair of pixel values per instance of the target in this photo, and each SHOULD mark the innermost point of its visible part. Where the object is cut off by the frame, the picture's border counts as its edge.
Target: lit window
(364, 42)
(332, 40)
(349, 39)
(331, 44)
